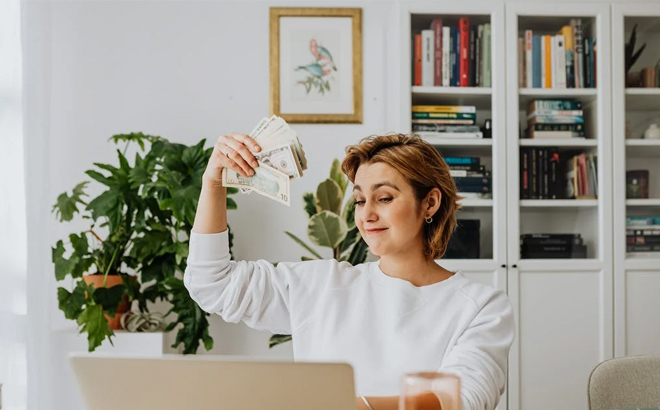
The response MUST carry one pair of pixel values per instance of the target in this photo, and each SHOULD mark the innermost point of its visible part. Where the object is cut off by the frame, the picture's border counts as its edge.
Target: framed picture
(316, 64)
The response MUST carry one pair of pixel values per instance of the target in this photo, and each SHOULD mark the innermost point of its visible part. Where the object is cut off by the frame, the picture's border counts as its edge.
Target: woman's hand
(233, 151)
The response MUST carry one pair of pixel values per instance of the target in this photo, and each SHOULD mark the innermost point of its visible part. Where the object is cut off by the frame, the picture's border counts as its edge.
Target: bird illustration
(314, 69)
(321, 54)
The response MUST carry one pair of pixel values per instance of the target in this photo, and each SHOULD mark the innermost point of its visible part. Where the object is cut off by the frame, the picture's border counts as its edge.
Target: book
(469, 109)
(436, 26)
(427, 58)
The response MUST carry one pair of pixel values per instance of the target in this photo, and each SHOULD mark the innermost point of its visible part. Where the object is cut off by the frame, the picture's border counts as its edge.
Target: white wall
(183, 70)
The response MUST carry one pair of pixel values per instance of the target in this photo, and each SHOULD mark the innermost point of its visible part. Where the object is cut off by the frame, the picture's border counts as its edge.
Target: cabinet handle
(514, 266)
(503, 265)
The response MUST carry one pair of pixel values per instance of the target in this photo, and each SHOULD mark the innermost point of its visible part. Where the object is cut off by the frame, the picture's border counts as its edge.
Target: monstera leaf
(326, 229)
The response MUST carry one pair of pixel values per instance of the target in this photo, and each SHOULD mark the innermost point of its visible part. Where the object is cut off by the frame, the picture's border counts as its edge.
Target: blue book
(536, 61)
(456, 36)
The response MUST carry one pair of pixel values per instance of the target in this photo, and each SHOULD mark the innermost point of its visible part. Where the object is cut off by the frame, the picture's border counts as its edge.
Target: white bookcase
(636, 275)
(564, 307)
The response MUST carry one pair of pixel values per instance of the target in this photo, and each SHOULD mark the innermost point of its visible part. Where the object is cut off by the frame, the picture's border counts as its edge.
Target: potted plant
(331, 225)
(136, 245)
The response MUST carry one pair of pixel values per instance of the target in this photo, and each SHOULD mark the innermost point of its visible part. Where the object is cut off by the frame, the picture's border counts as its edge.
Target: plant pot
(112, 280)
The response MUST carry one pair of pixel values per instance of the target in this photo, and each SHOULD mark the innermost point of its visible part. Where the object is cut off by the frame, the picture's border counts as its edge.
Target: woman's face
(386, 211)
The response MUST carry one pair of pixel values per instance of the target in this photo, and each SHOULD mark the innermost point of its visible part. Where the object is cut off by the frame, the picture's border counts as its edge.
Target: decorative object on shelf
(142, 321)
(629, 133)
(316, 64)
(136, 244)
(652, 132)
(637, 184)
(648, 77)
(632, 56)
(487, 129)
(331, 225)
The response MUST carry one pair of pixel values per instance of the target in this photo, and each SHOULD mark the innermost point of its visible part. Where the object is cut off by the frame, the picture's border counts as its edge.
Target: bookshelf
(563, 306)
(488, 100)
(571, 313)
(636, 274)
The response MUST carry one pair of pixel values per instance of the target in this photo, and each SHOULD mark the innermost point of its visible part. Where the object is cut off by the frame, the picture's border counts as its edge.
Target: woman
(401, 314)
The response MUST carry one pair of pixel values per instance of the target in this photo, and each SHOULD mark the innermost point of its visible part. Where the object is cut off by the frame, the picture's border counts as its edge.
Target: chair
(625, 383)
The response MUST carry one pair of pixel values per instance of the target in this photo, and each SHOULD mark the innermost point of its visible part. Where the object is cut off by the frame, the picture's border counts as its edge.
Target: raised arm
(232, 151)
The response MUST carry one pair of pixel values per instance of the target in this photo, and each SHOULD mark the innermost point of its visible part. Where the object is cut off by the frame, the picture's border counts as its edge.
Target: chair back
(625, 383)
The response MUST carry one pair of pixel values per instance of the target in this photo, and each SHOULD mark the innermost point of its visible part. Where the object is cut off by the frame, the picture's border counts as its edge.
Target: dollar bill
(283, 158)
(266, 181)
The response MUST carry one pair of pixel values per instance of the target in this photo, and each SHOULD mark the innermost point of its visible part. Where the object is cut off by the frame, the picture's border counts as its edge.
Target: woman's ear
(432, 202)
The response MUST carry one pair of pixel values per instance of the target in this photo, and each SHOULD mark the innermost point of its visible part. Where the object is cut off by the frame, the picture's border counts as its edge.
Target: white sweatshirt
(381, 325)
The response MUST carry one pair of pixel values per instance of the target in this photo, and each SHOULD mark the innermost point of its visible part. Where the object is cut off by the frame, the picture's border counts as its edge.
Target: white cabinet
(636, 274)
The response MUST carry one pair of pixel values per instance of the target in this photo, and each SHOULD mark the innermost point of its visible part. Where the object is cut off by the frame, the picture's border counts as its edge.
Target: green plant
(631, 55)
(139, 228)
(331, 225)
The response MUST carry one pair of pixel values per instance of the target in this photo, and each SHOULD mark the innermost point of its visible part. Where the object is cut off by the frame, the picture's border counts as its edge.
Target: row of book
(552, 246)
(559, 118)
(471, 177)
(643, 234)
(544, 174)
(448, 56)
(563, 60)
(445, 121)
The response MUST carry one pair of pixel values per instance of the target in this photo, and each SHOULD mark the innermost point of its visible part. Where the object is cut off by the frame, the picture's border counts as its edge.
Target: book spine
(418, 59)
(567, 32)
(538, 105)
(548, 60)
(587, 66)
(478, 57)
(456, 62)
(524, 174)
(579, 53)
(427, 58)
(537, 61)
(446, 56)
(534, 184)
(560, 67)
(437, 51)
(445, 115)
(472, 57)
(529, 78)
(441, 121)
(464, 56)
(487, 56)
(445, 108)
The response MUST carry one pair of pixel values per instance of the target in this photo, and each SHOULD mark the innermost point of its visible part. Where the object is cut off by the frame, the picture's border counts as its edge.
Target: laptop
(205, 382)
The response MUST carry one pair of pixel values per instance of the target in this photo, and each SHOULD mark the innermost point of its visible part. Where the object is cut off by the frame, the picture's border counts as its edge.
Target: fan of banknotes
(281, 158)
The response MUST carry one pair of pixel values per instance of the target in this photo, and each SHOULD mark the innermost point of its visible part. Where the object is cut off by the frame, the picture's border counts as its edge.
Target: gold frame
(356, 15)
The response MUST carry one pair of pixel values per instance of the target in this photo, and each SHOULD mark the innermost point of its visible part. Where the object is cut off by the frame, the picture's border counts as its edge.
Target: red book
(464, 61)
(437, 52)
(418, 59)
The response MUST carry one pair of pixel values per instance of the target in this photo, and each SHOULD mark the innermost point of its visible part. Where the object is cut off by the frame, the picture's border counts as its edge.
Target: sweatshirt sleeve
(254, 292)
(480, 355)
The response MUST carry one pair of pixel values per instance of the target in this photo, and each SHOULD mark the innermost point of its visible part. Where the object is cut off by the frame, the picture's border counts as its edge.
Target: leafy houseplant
(137, 243)
(331, 225)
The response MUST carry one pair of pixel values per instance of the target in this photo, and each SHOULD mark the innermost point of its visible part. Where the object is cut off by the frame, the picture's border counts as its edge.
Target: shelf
(637, 147)
(558, 203)
(585, 95)
(559, 265)
(642, 99)
(643, 261)
(480, 97)
(558, 142)
(475, 203)
(655, 202)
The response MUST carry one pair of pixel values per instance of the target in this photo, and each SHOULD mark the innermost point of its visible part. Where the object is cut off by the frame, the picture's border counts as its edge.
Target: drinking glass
(418, 388)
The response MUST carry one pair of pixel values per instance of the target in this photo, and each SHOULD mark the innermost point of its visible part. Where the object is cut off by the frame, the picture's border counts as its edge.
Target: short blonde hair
(423, 168)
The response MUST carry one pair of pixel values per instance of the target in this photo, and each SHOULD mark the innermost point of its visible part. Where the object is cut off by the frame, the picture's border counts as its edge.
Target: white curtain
(13, 226)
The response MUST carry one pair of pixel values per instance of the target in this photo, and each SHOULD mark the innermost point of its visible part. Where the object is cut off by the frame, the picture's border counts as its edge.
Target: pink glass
(416, 386)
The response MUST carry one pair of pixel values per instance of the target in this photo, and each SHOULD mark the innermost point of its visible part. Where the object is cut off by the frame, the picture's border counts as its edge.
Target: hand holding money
(280, 159)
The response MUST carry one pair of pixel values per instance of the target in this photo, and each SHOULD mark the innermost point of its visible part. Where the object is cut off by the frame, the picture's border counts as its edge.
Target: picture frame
(316, 64)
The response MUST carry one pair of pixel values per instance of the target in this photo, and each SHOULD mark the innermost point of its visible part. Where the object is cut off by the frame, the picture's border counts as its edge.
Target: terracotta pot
(124, 305)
